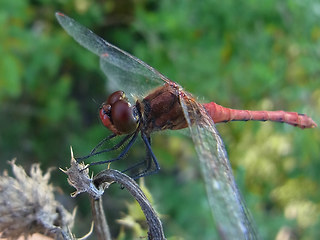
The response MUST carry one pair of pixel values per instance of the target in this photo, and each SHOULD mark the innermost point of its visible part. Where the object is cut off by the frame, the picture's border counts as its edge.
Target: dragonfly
(165, 105)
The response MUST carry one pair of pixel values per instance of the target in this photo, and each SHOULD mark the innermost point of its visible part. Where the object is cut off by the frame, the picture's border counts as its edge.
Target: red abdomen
(222, 114)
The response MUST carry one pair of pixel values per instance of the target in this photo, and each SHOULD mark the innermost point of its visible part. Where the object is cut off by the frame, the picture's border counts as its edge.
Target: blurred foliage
(241, 54)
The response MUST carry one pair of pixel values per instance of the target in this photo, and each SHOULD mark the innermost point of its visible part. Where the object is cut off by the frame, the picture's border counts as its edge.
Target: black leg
(94, 152)
(150, 157)
(134, 166)
(124, 152)
(102, 142)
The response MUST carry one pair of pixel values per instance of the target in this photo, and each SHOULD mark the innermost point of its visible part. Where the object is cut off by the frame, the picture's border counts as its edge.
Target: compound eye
(123, 118)
(116, 96)
(104, 114)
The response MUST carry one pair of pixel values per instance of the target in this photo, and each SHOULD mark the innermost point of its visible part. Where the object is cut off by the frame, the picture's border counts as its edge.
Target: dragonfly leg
(134, 166)
(122, 154)
(115, 147)
(102, 142)
(148, 162)
(151, 158)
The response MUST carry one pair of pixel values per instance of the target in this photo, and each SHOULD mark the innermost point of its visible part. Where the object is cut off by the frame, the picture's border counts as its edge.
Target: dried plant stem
(99, 219)
(78, 178)
(154, 223)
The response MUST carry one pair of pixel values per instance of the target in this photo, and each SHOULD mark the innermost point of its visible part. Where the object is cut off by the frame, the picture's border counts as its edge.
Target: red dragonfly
(167, 106)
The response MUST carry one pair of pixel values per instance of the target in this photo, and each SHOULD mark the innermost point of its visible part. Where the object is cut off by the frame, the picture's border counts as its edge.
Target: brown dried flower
(27, 205)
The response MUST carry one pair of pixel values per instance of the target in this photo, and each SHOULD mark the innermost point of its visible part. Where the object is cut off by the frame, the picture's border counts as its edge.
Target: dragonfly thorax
(118, 115)
(162, 110)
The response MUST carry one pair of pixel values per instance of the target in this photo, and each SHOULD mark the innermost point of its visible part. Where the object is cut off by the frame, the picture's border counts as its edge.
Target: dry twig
(80, 180)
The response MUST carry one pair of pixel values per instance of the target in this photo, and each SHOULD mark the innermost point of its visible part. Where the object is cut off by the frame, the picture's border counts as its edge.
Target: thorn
(74, 194)
(72, 156)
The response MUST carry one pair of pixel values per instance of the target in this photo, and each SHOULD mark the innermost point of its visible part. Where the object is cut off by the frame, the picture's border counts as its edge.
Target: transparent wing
(124, 71)
(228, 209)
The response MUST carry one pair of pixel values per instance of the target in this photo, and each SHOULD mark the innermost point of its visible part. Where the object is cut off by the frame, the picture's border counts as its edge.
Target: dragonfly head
(118, 115)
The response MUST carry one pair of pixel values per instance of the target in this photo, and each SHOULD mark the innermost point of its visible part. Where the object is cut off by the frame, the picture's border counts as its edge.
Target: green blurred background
(242, 54)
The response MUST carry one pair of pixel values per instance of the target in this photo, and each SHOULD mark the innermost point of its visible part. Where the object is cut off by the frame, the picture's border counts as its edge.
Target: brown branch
(154, 223)
(78, 178)
(99, 218)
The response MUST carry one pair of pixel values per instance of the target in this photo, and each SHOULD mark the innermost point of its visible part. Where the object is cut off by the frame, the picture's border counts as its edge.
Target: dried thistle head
(78, 177)
(27, 204)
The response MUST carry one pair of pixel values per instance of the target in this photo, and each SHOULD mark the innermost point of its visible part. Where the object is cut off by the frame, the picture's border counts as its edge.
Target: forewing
(133, 79)
(124, 71)
(228, 209)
